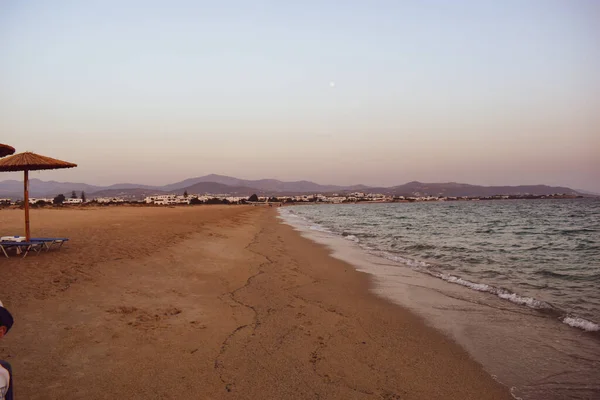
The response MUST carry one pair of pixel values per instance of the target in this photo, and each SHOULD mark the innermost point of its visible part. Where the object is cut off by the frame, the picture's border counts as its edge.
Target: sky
(153, 92)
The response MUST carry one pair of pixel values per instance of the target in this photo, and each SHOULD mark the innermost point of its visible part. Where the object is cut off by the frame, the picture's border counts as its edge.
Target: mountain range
(219, 184)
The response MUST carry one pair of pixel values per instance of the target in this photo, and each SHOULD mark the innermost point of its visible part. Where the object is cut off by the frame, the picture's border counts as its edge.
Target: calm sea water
(541, 254)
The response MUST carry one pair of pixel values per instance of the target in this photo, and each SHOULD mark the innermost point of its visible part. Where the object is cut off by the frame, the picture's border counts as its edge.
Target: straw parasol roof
(6, 150)
(32, 162)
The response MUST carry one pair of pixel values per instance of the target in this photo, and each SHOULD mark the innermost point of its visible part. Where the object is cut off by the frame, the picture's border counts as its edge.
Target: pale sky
(152, 92)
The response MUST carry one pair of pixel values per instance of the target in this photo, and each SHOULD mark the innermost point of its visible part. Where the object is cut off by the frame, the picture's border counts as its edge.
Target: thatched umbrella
(30, 162)
(6, 150)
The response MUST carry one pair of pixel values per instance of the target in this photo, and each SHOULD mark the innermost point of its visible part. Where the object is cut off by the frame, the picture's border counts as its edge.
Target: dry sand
(211, 302)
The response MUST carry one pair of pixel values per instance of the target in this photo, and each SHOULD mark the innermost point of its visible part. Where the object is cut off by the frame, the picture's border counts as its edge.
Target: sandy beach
(211, 302)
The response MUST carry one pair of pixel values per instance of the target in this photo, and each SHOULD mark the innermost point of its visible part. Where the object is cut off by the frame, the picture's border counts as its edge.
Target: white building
(336, 199)
(73, 201)
(169, 199)
(172, 199)
(358, 195)
(109, 200)
(235, 199)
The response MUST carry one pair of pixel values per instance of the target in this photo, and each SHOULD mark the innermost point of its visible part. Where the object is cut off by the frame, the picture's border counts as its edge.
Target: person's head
(6, 320)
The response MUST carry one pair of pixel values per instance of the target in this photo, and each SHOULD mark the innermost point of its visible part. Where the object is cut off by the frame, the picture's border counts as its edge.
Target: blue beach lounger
(48, 243)
(21, 247)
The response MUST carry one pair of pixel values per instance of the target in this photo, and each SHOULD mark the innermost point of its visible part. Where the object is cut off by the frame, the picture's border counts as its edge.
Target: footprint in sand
(142, 318)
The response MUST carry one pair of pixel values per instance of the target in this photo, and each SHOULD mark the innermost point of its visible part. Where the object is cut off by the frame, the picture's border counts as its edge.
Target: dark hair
(6, 319)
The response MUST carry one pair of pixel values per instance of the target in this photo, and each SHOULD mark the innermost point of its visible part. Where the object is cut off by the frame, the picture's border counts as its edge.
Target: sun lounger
(48, 243)
(21, 247)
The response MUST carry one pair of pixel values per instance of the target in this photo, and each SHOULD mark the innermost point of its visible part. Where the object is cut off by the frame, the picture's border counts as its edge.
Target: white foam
(407, 261)
(480, 287)
(288, 214)
(502, 293)
(352, 238)
(523, 300)
(319, 228)
(513, 395)
(581, 323)
(296, 221)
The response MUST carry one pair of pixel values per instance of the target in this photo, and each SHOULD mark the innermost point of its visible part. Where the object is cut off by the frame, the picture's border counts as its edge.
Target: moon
(332, 84)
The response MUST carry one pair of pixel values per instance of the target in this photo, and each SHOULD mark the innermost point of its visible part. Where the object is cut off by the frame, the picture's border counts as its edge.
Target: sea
(515, 282)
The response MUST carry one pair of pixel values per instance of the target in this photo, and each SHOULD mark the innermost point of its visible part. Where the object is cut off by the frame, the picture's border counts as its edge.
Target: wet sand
(211, 302)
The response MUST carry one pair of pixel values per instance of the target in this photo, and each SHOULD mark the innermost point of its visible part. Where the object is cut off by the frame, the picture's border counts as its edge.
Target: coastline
(533, 353)
(306, 227)
(214, 302)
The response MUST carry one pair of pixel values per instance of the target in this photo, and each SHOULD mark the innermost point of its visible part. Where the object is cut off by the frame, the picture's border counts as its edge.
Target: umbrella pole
(26, 200)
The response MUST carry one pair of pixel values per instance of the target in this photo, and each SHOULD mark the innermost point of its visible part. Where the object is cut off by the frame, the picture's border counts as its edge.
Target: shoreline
(217, 303)
(431, 269)
(538, 357)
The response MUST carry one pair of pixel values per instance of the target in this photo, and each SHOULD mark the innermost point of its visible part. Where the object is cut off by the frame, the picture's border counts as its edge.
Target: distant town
(190, 199)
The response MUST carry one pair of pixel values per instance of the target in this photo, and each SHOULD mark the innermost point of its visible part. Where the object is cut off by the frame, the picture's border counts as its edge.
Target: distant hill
(132, 193)
(269, 185)
(219, 184)
(217, 188)
(39, 188)
(133, 186)
(587, 192)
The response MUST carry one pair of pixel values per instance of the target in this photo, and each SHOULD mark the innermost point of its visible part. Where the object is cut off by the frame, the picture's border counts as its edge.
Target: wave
(578, 230)
(574, 321)
(407, 261)
(504, 294)
(480, 287)
(287, 213)
(553, 274)
(568, 277)
(581, 323)
(420, 246)
(571, 320)
(367, 235)
(351, 237)
(521, 233)
(319, 228)
(500, 292)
